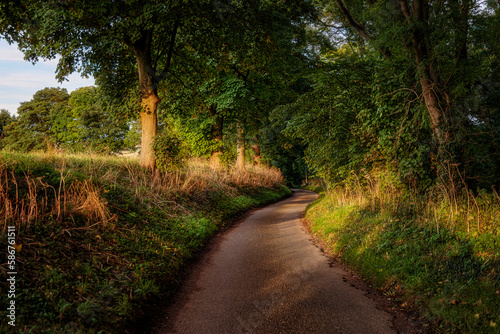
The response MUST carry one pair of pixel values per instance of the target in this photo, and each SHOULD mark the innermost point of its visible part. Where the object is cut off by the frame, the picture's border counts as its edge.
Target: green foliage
(197, 134)
(228, 156)
(5, 119)
(283, 152)
(39, 121)
(238, 86)
(357, 117)
(228, 92)
(96, 128)
(460, 60)
(78, 122)
(168, 151)
(122, 42)
(133, 136)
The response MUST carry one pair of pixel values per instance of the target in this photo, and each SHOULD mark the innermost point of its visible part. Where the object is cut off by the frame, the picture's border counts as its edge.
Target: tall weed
(448, 205)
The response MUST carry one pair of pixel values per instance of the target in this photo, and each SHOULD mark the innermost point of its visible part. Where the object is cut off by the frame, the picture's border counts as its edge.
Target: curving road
(266, 276)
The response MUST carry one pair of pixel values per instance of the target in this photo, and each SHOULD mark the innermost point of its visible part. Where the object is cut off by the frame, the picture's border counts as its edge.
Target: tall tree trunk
(149, 99)
(149, 127)
(417, 17)
(432, 104)
(240, 158)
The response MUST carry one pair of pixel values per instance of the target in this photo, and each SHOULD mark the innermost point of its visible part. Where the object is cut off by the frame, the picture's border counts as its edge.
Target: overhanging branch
(164, 73)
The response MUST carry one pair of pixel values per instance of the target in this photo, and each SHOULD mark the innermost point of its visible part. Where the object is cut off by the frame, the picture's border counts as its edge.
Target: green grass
(83, 272)
(451, 276)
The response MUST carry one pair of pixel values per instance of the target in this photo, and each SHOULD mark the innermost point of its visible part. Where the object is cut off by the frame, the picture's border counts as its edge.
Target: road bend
(265, 275)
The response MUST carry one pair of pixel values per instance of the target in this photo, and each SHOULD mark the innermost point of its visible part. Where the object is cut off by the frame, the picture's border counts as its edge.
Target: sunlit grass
(62, 184)
(435, 251)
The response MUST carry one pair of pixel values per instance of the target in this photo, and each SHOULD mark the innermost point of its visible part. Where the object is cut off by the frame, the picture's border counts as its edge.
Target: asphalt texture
(265, 275)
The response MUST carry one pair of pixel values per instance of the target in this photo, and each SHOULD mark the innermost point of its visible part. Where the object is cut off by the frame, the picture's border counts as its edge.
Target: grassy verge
(427, 251)
(97, 238)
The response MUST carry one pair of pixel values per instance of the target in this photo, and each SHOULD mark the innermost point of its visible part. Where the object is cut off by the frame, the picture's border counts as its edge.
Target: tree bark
(432, 104)
(149, 99)
(462, 11)
(240, 158)
(417, 18)
(149, 130)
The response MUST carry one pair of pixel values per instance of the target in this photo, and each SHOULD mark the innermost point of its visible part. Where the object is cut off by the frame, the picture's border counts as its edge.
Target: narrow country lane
(266, 276)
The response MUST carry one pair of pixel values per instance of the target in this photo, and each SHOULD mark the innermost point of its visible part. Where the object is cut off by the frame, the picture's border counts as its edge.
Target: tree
(283, 152)
(238, 88)
(440, 57)
(433, 36)
(115, 39)
(34, 126)
(356, 117)
(96, 126)
(5, 119)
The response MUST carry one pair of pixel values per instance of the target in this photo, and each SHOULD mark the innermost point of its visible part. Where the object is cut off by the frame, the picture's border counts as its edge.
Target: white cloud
(4, 95)
(10, 52)
(27, 80)
(12, 108)
(20, 79)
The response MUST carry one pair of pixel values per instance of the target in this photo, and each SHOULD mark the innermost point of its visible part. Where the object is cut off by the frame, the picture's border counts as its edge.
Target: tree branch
(352, 22)
(405, 8)
(164, 73)
(161, 53)
(360, 28)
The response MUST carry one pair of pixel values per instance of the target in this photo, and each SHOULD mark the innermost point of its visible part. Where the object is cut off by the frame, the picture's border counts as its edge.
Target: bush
(168, 152)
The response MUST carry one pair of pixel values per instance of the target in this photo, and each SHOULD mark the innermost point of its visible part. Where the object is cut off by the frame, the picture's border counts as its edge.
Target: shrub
(168, 152)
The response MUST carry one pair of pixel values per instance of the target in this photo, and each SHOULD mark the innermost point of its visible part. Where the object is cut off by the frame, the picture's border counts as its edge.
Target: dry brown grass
(28, 199)
(199, 176)
(449, 205)
(258, 176)
(85, 198)
(15, 208)
(39, 199)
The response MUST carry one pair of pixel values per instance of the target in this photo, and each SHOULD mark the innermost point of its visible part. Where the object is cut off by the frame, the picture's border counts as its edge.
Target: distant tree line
(80, 121)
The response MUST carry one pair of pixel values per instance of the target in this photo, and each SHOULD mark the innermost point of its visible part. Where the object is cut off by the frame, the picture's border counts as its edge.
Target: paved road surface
(266, 276)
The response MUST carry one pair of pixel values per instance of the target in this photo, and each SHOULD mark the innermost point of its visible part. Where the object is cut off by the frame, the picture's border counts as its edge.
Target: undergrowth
(317, 185)
(437, 252)
(98, 237)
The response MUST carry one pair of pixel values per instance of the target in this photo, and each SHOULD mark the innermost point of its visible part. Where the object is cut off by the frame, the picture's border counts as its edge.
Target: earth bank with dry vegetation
(99, 237)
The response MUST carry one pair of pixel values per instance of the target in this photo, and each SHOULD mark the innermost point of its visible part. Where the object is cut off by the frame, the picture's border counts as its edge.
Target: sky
(20, 79)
